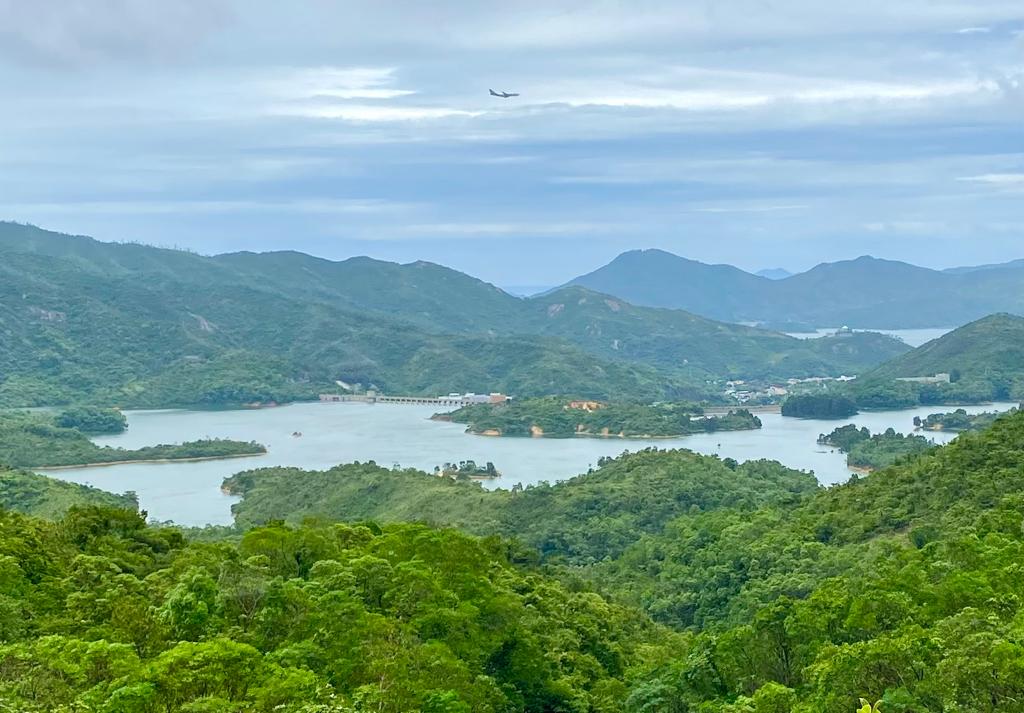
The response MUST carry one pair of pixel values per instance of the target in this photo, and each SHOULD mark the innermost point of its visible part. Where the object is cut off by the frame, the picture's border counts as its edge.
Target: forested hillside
(896, 585)
(100, 612)
(34, 494)
(131, 325)
(581, 519)
(984, 360)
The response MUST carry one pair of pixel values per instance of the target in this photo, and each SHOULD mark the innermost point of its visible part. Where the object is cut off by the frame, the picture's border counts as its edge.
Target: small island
(38, 440)
(868, 452)
(561, 418)
(467, 470)
(958, 420)
(93, 421)
(819, 406)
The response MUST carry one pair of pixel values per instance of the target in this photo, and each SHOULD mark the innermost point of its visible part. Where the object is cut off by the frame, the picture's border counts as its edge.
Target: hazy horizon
(761, 136)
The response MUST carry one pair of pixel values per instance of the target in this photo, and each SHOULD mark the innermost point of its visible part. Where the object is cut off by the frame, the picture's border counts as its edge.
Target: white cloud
(1005, 182)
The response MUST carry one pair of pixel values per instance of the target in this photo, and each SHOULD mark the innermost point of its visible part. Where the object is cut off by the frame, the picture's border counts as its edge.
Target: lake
(911, 337)
(189, 493)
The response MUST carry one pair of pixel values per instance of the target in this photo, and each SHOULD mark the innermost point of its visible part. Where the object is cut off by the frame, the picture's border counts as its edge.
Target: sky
(761, 133)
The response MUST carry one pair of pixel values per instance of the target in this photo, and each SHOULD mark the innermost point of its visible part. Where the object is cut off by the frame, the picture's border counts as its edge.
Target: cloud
(714, 129)
(76, 33)
(1005, 182)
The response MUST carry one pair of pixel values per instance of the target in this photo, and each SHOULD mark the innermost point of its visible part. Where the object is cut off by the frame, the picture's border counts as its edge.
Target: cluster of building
(452, 400)
(940, 378)
(744, 391)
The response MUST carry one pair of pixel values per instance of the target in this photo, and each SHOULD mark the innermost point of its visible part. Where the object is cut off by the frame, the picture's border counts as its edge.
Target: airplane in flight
(503, 95)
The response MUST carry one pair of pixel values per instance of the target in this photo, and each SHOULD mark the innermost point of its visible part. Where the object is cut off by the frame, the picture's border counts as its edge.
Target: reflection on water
(189, 493)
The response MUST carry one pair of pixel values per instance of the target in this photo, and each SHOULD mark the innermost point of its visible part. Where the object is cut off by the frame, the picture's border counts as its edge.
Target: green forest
(661, 581)
(36, 440)
(553, 417)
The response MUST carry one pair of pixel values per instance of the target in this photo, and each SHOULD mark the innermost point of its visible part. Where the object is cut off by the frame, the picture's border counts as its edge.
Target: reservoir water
(189, 493)
(912, 337)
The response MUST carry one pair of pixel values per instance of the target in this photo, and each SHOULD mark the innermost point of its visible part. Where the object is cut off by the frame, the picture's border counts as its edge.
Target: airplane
(503, 95)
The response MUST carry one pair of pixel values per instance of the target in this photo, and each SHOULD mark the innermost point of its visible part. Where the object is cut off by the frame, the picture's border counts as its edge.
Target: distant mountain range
(867, 292)
(142, 326)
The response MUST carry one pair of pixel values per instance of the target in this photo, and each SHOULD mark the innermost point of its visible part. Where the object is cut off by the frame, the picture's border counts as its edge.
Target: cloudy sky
(762, 133)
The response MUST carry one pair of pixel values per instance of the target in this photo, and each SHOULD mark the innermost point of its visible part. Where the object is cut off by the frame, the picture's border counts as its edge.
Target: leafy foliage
(100, 612)
(900, 585)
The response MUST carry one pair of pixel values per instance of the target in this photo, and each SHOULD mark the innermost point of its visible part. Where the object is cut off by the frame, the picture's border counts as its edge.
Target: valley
(390, 435)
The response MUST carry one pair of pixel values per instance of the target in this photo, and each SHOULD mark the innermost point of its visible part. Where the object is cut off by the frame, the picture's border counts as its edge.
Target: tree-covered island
(554, 417)
(37, 440)
(821, 406)
(871, 452)
(958, 420)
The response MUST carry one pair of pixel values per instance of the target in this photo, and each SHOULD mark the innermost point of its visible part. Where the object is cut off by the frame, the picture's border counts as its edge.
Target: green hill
(676, 341)
(985, 361)
(866, 292)
(34, 494)
(137, 326)
(583, 519)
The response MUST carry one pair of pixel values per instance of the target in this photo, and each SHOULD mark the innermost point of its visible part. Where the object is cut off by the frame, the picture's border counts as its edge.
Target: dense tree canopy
(100, 612)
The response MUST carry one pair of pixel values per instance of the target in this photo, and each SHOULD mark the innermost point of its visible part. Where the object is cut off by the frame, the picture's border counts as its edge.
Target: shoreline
(610, 436)
(193, 459)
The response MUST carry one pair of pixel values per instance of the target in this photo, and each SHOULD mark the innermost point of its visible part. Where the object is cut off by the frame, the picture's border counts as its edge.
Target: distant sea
(913, 337)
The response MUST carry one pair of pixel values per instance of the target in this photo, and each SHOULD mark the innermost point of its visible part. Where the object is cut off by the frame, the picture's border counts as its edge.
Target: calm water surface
(189, 493)
(912, 337)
